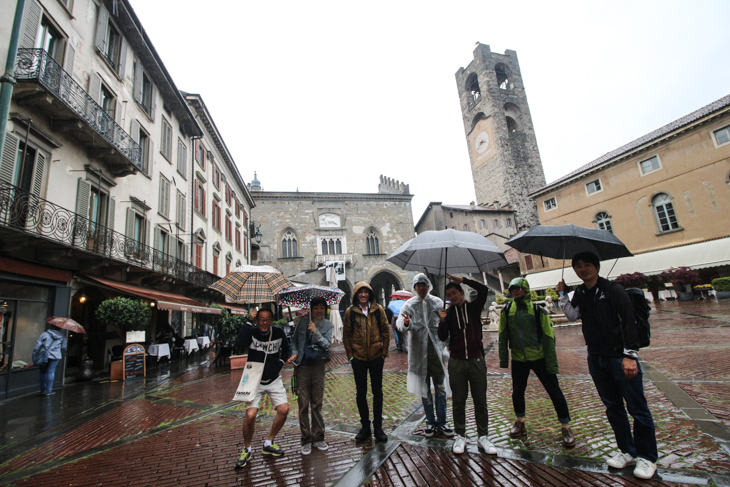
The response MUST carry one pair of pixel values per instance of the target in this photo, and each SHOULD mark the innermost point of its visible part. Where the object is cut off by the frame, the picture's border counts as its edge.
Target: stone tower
(505, 161)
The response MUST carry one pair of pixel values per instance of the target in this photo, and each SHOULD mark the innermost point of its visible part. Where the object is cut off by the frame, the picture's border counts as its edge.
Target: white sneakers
(459, 445)
(321, 445)
(644, 469)
(483, 442)
(621, 460)
(486, 445)
(306, 448)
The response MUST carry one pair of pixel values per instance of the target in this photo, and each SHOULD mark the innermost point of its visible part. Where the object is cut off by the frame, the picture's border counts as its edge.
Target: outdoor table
(159, 350)
(191, 345)
(666, 294)
(204, 342)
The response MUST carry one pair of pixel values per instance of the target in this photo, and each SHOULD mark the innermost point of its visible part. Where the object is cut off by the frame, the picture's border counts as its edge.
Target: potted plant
(682, 279)
(127, 314)
(636, 279)
(721, 285)
(230, 325)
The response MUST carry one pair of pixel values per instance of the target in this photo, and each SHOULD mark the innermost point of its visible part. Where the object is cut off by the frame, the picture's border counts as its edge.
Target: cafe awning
(164, 299)
(711, 253)
(235, 310)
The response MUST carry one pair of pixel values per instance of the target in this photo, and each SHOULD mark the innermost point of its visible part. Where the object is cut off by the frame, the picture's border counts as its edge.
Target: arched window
(503, 81)
(372, 245)
(664, 212)
(511, 125)
(331, 246)
(472, 86)
(478, 117)
(288, 245)
(603, 221)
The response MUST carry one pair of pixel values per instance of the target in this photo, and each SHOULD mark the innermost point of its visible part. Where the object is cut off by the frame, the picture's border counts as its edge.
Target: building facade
(666, 190)
(505, 160)
(304, 232)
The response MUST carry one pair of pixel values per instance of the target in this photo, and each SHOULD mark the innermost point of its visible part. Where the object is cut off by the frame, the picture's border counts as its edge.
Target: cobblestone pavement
(184, 430)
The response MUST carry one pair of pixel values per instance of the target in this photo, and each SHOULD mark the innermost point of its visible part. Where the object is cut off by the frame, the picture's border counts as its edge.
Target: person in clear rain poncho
(419, 319)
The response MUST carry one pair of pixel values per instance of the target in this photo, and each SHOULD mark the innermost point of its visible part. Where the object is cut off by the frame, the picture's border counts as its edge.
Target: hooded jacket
(518, 332)
(423, 328)
(365, 337)
(463, 325)
(49, 346)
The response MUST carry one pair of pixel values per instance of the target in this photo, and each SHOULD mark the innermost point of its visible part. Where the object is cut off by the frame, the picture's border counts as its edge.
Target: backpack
(537, 309)
(641, 315)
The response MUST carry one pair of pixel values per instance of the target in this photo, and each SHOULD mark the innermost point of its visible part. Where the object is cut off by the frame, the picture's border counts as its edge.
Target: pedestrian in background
(419, 321)
(366, 337)
(613, 362)
(311, 338)
(47, 352)
(461, 326)
(526, 331)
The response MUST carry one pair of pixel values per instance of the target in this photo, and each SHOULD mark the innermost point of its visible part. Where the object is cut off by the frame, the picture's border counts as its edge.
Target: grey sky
(326, 96)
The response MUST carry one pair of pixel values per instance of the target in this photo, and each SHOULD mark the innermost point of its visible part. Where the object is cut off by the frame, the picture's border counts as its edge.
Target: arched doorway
(384, 283)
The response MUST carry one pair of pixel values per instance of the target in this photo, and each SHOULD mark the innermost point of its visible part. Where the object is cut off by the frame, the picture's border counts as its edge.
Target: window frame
(717, 143)
(180, 210)
(164, 197)
(548, 206)
(641, 168)
(597, 187)
(600, 219)
(215, 214)
(665, 205)
(166, 140)
(199, 198)
(182, 158)
(289, 245)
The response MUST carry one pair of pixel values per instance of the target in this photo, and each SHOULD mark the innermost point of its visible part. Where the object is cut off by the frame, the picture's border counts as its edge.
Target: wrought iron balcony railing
(26, 213)
(38, 65)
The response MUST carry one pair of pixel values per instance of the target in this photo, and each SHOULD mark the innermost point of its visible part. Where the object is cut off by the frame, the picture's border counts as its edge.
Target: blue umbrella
(396, 305)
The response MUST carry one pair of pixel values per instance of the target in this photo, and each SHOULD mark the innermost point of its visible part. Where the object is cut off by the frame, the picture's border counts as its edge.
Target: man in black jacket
(611, 336)
(267, 344)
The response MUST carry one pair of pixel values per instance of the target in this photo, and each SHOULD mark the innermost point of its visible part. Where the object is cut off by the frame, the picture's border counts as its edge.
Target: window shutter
(147, 233)
(95, 87)
(137, 81)
(68, 60)
(111, 213)
(153, 98)
(122, 58)
(31, 21)
(150, 152)
(102, 24)
(10, 155)
(129, 227)
(118, 113)
(83, 193)
(134, 130)
(157, 240)
(39, 175)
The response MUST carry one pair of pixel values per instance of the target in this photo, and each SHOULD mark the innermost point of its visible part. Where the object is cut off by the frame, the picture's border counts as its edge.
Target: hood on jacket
(57, 334)
(519, 282)
(421, 277)
(358, 287)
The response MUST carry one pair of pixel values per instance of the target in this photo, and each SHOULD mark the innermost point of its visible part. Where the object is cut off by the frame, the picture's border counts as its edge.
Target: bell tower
(505, 161)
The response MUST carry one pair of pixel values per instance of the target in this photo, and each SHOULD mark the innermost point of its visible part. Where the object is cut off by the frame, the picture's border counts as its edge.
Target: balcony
(322, 259)
(37, 230)
(43, 84)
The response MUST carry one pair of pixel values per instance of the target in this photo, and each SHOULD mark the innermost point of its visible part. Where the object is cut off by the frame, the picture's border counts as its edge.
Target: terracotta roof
(469, 208)
(660, 132)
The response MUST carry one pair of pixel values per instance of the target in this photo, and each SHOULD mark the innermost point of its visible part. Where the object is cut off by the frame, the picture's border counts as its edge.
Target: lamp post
(254, 230)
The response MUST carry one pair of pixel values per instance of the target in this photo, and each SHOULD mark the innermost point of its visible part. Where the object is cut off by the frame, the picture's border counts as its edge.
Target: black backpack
(537, 309)
(641, 315)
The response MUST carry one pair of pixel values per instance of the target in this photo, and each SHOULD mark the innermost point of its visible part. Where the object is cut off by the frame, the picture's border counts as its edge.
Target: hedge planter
(686, 296)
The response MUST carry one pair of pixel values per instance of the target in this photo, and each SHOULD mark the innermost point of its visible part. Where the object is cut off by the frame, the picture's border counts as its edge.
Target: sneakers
(273, 449)
(518, 429)
(445, 430)
(364, 434)
(380, 434)
(429, 432)
(321, 445)
(306, 448)
(644, 469)
(621, 460)
(459, 445)
(244, 458)
(568, 438)
(486, 445)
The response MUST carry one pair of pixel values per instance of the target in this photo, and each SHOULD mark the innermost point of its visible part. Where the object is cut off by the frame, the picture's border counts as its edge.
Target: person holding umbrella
(419, 318)
(461, 325)
(526, 331)
(47, 352)
(608, 317)
(311, 335)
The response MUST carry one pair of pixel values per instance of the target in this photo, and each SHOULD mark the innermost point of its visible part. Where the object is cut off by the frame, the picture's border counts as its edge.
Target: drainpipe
(8, 79)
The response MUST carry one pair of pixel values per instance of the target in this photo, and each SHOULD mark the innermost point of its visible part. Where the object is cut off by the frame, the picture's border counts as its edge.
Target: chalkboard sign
(134, 363)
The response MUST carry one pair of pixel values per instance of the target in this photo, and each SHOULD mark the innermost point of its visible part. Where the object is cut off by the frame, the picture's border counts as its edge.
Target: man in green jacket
(527, 332)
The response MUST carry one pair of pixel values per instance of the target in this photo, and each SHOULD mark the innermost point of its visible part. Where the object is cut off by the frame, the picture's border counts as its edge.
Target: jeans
(614, 389)
(465, 374)
(48, 373)
(428, 406)
(360, 369)
(310, 387)
(520, 373)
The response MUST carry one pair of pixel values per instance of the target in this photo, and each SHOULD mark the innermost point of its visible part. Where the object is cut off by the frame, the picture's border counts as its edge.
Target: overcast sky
(326, 96)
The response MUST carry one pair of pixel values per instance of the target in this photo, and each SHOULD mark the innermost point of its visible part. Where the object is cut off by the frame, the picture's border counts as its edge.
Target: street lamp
(254, 227)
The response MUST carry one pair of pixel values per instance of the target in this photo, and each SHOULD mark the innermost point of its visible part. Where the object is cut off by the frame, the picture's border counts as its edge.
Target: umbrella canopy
(439, 251)
(299, 297)
(402, 295)
(561, 241)
(396, 306)
(252, 284)
(65, 324)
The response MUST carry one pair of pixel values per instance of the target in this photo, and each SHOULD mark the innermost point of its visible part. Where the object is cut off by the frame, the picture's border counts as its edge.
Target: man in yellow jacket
(366, 336)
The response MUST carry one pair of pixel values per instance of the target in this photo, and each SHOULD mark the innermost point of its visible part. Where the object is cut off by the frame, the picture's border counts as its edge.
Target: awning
(235, 310)
(712, 253)
(164, 299)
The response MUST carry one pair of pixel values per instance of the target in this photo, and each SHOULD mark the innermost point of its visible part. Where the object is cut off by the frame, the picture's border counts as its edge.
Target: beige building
(665, 195)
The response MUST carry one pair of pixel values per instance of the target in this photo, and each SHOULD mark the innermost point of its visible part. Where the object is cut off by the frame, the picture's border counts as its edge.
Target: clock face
(481, 143)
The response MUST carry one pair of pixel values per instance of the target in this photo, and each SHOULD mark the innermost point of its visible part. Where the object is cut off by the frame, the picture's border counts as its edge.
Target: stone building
(303, 232)
(505, 161)
(665, 195)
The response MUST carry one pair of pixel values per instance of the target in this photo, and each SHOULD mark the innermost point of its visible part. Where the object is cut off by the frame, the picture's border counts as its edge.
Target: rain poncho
(422, 330)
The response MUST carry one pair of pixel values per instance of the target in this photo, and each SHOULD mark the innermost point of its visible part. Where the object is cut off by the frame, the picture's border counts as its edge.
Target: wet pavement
(179, 427)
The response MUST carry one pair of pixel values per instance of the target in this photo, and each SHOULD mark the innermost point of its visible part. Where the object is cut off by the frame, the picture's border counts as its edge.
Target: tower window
(550, 204)
(603, 221)
(472, 86)
(511, 125)
(594, 187)
(503, 75)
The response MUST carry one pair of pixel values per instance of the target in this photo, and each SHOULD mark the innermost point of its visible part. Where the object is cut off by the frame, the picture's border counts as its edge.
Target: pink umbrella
(402, 295)
(65, 324)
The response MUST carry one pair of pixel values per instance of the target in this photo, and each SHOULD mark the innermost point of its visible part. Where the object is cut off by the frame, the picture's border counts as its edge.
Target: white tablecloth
(203, 342)
(159, 350)
(191, 345)
(666, 294)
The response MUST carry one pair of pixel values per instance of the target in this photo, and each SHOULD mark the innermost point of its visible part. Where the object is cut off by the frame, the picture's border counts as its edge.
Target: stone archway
(383, 284)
